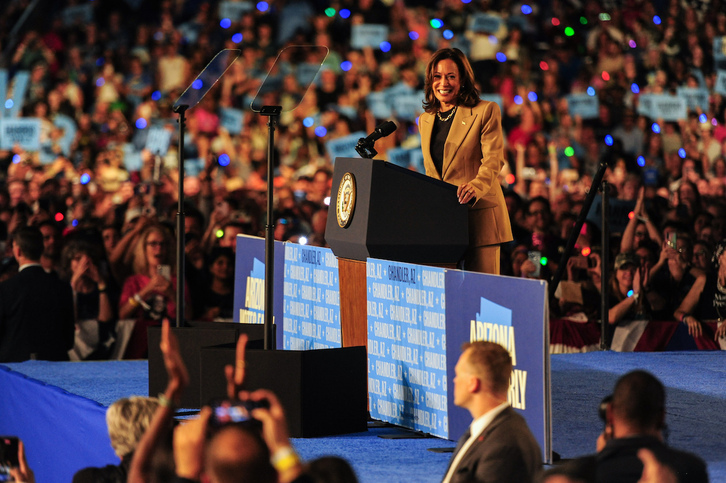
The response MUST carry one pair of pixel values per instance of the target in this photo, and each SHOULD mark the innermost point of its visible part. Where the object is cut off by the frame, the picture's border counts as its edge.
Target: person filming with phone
(149, 294)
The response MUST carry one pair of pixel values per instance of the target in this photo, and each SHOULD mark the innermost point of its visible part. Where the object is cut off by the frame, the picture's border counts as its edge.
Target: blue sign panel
(158, 140)
(231, 119)
(408, 106)
(23, 132)
(378, 105)
(368, 35)
(491, 308)
(583, 105)
(311, 317)
(696, 98)
(663, 106)
(249, 283)
(407, 345)
(344, 147)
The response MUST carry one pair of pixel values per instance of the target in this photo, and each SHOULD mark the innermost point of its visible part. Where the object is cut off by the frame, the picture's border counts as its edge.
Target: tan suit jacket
(474, 152)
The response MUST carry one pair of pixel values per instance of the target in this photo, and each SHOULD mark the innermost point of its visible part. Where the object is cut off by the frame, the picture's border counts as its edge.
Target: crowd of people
(100, 190)
(101, 77)
(244, 437)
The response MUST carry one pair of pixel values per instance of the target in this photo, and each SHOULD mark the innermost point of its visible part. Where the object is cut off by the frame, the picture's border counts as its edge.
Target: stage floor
(696, 398)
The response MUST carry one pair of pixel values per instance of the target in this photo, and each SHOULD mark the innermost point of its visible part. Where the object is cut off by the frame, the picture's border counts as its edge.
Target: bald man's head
(236, 454)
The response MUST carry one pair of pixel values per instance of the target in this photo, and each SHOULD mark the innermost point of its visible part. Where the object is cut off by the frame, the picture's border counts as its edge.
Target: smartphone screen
(535, 257)
(164, 271)
(8, 456)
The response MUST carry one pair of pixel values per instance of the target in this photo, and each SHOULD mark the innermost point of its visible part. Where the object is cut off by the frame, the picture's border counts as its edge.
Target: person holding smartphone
(149, 294)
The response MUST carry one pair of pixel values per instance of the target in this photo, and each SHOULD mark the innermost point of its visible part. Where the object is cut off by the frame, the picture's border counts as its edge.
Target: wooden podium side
(353, 302)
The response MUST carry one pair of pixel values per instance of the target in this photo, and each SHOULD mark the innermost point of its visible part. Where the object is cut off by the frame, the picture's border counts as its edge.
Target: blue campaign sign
(132, 158)
(407, 359)
(484, 22)
(720, 85)
(695, 97)
(398, 89)
(249, 283)
(4, 92)
(77, 15)
(20, 87)
(311, 317)
(378, 105)
(493, 98)
(400, 156)
(231, 119)
(158, 139)
(24, 132)
(234, 10)
(660, 106)
(408, 106)
(511, 312)
(645, 105)
(583, 105)
(417, 161)
(719, 49)
(344, 147)
(368, 35)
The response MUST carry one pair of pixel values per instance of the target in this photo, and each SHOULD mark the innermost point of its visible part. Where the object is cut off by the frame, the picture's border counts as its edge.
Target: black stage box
(191, 341)
(324, 391)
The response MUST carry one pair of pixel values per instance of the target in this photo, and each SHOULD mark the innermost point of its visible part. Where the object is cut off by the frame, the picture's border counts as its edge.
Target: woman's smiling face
(446, 83)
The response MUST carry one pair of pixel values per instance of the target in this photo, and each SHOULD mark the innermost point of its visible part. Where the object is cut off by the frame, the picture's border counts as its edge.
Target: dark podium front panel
(399, 215)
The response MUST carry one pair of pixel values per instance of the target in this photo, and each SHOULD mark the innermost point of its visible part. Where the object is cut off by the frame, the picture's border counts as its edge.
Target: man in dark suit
(499, 446)
(635, 420)
(36, 308)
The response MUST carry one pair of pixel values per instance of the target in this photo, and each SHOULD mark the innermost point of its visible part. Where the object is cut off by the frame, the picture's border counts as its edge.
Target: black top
(618, 461)
(106, 474)
(712, 302)
(438, 138)
(673, 292)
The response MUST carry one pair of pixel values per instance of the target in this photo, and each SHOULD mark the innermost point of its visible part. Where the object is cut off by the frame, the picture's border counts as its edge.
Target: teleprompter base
(191, 341)
(323, 391)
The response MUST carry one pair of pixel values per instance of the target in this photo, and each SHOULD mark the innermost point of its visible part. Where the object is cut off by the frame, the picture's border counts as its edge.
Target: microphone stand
(180, 255)
(365, 148)
(273, 114)
(597, 184)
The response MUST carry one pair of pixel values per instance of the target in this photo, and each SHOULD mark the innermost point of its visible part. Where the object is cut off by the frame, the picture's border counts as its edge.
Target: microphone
(365, 145)
(382, 130)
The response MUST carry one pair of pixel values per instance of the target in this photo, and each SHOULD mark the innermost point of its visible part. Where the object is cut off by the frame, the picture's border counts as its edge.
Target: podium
(381, 210)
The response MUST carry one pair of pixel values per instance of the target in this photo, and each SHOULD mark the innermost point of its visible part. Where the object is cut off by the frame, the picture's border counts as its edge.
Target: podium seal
(345, 203)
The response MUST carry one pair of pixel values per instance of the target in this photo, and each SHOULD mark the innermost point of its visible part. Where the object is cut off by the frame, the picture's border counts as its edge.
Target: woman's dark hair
(468, 93)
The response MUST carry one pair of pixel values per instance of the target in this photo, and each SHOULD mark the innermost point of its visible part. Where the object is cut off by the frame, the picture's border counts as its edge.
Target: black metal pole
(273, 114)
(555, 280)
(604, 264)
(181, 110)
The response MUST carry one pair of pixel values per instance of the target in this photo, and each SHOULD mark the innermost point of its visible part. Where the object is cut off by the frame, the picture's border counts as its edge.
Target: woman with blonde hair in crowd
(149, 294)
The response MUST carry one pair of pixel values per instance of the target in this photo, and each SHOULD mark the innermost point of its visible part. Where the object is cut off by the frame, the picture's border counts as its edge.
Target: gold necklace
(444, 119)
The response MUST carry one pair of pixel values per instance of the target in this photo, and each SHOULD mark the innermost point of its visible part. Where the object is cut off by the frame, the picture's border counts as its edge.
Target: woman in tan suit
(462, 144)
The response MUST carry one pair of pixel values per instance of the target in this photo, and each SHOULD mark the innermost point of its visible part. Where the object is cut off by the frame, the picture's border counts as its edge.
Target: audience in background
(102, 90)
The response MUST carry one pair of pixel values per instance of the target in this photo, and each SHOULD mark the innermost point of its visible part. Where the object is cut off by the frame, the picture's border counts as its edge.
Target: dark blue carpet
(696, 406)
